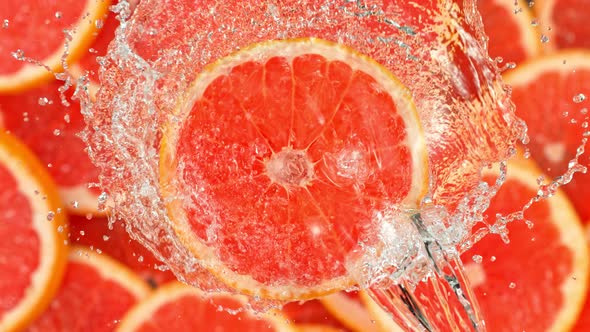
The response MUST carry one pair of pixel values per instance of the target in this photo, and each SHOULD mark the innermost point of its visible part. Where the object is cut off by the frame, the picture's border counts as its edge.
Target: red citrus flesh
(51, 130)
(97, 289)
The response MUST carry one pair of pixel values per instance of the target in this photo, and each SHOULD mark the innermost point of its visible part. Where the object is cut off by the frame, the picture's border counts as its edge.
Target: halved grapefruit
(36, 30)
(94, 295)
(538, 281)
(177, 307)
(550, 94)
(33, 230)
(279, 159)
(50, 129)
(564, 22)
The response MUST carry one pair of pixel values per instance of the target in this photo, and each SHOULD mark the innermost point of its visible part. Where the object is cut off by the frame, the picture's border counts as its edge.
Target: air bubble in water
(50, 215)
(512, 285)
(58, 15)
(544, 39)
(5, 24)
(477, 258)
(105, 238)
(56, 132)
(535, 22)
(580, 97)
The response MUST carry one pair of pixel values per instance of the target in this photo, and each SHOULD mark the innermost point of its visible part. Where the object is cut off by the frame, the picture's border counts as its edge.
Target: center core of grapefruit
(290, 167)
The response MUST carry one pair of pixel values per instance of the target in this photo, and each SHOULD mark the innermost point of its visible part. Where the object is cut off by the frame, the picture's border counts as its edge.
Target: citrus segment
(565, 22)
(97, 289)
(550, 95)
(37, 30)
(32, 236)
(114, 241)
(508, 24)
(178, 307)
(50, 129)
(302, 139)
(350, 310)
(537, 282)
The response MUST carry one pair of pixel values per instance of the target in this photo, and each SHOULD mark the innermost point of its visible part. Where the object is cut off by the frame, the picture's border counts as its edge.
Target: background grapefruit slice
(511, 34)
(32, 236)
(35, 29)
(350, 310)
(550, 95)
(564, 22)
(176, 307)
(311, 154)
(51, 130)
(538, 281)
(97, 289)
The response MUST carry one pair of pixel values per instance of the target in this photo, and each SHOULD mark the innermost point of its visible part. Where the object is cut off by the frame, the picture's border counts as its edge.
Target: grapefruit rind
(35, 183)
(31, 75)
(291, 48)
(110, 269)
(563, 62)
(348, 311)
(144, 311)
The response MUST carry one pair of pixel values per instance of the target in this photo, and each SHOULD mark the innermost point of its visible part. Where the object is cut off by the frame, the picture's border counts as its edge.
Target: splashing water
(436, 48)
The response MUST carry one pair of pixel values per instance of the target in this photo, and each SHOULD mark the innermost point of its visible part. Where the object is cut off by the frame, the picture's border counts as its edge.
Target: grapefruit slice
(583, 322)
(178, 307)
(538, 281)
(35, 30)
(508, 25)
(566, 22)
(97, 289)
(550, 95)
(350, 310)
(51, 130)
(94, 232)
(379, 315)
(33, 238)
(301, 139)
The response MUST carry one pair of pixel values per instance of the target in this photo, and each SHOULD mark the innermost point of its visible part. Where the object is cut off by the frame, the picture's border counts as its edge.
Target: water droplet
(544, 39)
(56, 132)
(50, 165)
(50, 215)
(5, 24)
(18, 55)
(102, 197)
(140, 259)
(74, 204)
(477, 258)
(58, 15)
(98, 251)
(82, 233)
(60, 229)
(105, 237)
(99, 24)
(534, 22)
(493, 258)
(67, 118)
(512, 285)
(580, 97)
(43, 101)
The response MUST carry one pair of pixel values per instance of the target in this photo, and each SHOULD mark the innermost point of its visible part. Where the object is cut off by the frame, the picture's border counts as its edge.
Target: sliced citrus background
(508, 24)
(550, 94)
(94, 295)
(50, 129)
(114, 241)
(350, 310)
(178, 307)
(382, 318)
(303, 139)
(33, 238)
(564, 22)
(36, 30)
(583, 323)
(538, 281)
